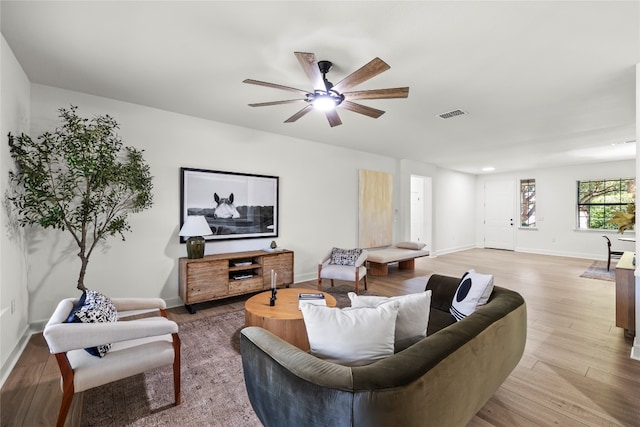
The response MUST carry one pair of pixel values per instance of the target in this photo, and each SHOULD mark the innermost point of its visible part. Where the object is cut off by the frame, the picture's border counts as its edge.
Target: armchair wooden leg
(357, 280)
(319, 278)
(176, 368)
(365, 283)
(67, 387)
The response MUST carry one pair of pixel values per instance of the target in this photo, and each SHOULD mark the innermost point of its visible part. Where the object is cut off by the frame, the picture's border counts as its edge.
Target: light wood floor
(575, 371)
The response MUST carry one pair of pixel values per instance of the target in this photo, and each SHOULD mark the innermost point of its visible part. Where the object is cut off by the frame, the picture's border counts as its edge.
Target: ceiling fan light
(324, 102)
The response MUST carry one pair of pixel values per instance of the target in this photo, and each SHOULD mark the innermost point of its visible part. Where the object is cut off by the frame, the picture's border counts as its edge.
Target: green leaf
(80, 178)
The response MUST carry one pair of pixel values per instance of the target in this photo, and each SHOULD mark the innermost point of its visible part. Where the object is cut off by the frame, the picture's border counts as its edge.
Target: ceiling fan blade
(362, 109)
(310, 66)
(332, 116)
(395, 92)
(275, 86)
(299, 114)
(266, 104)
(369, 70)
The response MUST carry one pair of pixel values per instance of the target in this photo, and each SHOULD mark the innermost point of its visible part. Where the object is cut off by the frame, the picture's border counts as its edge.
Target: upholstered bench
(379, 259)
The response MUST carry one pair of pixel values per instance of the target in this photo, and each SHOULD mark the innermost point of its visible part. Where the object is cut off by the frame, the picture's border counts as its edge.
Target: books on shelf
(311, 298)
(242, 276)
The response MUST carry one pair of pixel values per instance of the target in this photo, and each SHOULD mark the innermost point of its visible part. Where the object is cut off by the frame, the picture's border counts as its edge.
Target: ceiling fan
(327, 96)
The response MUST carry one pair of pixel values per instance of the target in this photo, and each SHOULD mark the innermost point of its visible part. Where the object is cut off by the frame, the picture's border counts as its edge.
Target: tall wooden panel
(375, 209)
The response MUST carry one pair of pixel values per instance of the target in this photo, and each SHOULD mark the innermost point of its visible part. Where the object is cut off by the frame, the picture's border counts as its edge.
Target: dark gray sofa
(442, 380)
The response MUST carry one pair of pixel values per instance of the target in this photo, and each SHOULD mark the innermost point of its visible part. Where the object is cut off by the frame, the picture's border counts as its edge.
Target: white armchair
(352, 273)
(137, 346)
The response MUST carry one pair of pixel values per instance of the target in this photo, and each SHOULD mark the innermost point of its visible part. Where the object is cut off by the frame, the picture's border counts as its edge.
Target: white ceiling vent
(451, 114)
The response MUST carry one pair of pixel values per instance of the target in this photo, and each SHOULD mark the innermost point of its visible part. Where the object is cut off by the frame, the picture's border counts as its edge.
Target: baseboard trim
(453, 250)
(174, 302)
(305, 277)
(558, 253)
(12, 360)
(635, 350)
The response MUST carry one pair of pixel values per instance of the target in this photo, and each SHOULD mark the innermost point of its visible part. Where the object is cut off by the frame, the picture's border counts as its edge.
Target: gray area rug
(213, 390)
(598, 270)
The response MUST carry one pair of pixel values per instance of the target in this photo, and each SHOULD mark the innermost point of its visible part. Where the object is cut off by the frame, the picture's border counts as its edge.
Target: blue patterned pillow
(78, 306)
(94, 307)
(344, 256)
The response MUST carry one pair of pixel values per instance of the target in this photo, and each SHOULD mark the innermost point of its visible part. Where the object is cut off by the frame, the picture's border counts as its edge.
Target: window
(597, 200)
(527, 203)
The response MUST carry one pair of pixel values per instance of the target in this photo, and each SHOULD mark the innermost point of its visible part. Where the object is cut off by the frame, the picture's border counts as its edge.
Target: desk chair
(611, 254)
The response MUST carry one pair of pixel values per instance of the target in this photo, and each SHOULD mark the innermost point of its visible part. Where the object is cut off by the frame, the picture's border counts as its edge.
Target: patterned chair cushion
(344, 256)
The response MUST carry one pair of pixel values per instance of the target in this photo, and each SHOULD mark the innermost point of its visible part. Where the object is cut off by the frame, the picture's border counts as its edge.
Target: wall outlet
(13, 306)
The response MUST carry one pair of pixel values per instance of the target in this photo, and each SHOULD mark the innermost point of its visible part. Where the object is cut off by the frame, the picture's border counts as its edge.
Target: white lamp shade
(195, 225)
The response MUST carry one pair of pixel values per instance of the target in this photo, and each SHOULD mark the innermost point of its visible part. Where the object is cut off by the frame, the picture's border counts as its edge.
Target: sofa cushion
(413, 315)
(410, 245)
(474, 290)
(342, 272)
(384, 256)
(344, 256)
(351, 336)
(94, 307)
(438, 320)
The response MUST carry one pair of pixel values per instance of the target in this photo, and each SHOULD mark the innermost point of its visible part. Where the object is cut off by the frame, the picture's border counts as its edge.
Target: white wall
(453, 206)
(318, 199)
(556, 194)
(14, 299)
(454, 211)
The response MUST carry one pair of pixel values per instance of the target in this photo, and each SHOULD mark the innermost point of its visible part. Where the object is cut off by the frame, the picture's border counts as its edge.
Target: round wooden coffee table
(283, 319)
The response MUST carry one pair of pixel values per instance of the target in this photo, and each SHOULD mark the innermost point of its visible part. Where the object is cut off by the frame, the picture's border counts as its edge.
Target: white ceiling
(544, 83)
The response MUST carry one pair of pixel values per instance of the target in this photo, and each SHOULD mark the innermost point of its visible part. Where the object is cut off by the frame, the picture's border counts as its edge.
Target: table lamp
(194, 228)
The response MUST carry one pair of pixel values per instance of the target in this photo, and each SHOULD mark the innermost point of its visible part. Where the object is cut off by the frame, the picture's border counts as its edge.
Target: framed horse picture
(235, 205)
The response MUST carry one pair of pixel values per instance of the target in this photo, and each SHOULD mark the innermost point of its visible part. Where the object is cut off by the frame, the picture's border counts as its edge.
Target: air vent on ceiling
(451, 114)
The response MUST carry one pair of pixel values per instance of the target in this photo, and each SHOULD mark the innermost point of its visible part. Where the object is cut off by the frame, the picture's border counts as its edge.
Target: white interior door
(499, 214)
(417, 209)
(421, 210)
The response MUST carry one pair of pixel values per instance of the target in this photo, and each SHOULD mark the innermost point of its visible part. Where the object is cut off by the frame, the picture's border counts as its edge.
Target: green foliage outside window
(528, 203)
(599, 200)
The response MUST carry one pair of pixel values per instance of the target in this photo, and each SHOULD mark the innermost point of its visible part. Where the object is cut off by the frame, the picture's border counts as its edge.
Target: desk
(283, 319)
(627, 239)
(626, 294)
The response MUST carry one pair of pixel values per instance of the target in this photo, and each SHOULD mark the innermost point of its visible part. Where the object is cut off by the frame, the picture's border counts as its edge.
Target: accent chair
(353, 271)
(138, 345)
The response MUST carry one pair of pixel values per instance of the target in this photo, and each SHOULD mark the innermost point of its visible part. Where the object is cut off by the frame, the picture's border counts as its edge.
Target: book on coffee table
(311, 298)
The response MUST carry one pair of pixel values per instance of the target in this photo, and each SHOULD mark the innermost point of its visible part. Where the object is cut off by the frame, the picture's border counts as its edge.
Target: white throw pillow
(474, 290)
(351, 336)
(413, 315)
(410, 245)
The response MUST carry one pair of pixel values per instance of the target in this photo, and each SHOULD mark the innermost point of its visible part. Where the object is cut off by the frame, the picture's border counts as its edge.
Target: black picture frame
(235, 205)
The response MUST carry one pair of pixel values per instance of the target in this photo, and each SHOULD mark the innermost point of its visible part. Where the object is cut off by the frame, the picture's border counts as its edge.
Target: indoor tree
(79, 178)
